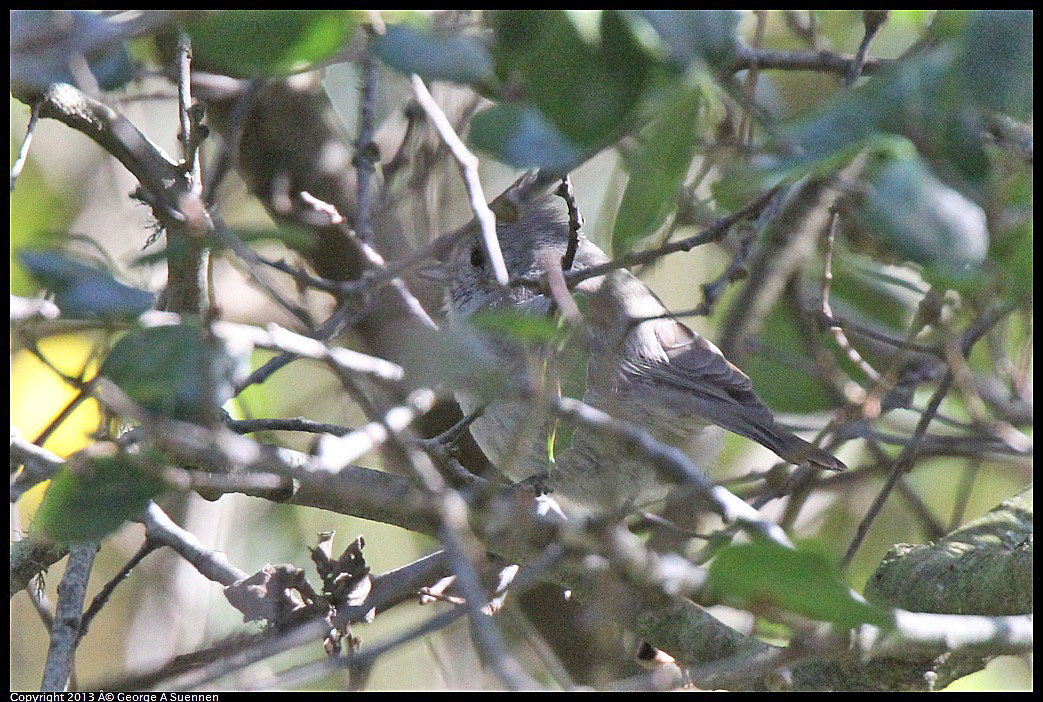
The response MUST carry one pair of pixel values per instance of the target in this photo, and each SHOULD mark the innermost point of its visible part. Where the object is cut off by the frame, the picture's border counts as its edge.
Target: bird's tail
(794, 449)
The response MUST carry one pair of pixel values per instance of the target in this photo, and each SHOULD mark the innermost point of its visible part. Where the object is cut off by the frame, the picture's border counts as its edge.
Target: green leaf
(830, 137)
(705, 37)
(526, 328)
(1012, 249)
(936, 100)
(782, 372)
(765, 574)
(657, 171)
(176, 371)
(585, 72)
(82, 291)
(268, 42)
(94, 494)
(458, 358)
(523, 138)
(948, 24)
(459, 59)
(738, 184)
(995, 64)
(866, 291)
(924, 220)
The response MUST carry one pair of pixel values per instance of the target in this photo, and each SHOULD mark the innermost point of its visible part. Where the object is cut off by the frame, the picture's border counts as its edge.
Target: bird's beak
(436, 272)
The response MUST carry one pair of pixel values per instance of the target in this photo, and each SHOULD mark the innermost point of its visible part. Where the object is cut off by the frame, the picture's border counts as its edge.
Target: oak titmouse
(656, 373)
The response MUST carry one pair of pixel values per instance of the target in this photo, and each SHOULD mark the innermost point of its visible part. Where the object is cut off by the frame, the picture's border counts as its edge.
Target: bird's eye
(476, 257)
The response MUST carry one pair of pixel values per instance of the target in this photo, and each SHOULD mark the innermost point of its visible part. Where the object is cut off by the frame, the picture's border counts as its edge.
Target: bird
(638, 363)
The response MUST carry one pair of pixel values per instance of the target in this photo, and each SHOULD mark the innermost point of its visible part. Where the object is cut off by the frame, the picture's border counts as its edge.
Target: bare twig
(336, 452)
(676, 464)
(378, 272)
(228, 156)
(66, 629)
(827, 313)
(186, 256)
(745, 130)
(963, 492)
(786, 60)
(901, 465)
(803, 25)
(39, 464)
(147, 162)
(487, 636)
(469, 165)
(23, 152)
(391, 588)
(102, 597)
(873, 20)
(715, 232)
(365, 149)
(575, 222)
(161, 530)
(186, 115)
(250, 426)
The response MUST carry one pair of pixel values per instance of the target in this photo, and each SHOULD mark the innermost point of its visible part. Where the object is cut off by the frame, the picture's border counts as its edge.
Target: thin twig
(64, 634)
(806, 30)
(575, 221)
(963, 492)
(377, 266)
(391, 588)
(336, 453)
(253, 262)
(487, 636)
(102, 597)
(250, 426)
(161, 530)
(873, 20)
(713, 233)
(117, 136)
(676, 463)
(745, 131)
(787, 60)
(75, 402)
(23, 152)
(40, 602)
(469, 165)
(228, 156)
(450, 435)
(827, 313)
(901, 466)
(365, 149)
(187, 136)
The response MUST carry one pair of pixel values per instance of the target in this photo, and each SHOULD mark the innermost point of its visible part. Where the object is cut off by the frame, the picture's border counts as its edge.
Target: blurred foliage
(525, 328)
(43, 40)
(268, 42)
(764, 576)
(460, 59)
(657, 171)
(178, 371)
(83, 291)
(93, 494)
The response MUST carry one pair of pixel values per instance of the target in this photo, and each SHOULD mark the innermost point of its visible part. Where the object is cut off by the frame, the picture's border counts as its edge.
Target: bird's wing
(696, 367)
(693, 377)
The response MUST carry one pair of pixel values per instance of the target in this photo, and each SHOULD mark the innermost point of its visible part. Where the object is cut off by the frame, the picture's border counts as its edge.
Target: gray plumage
(656, 373)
